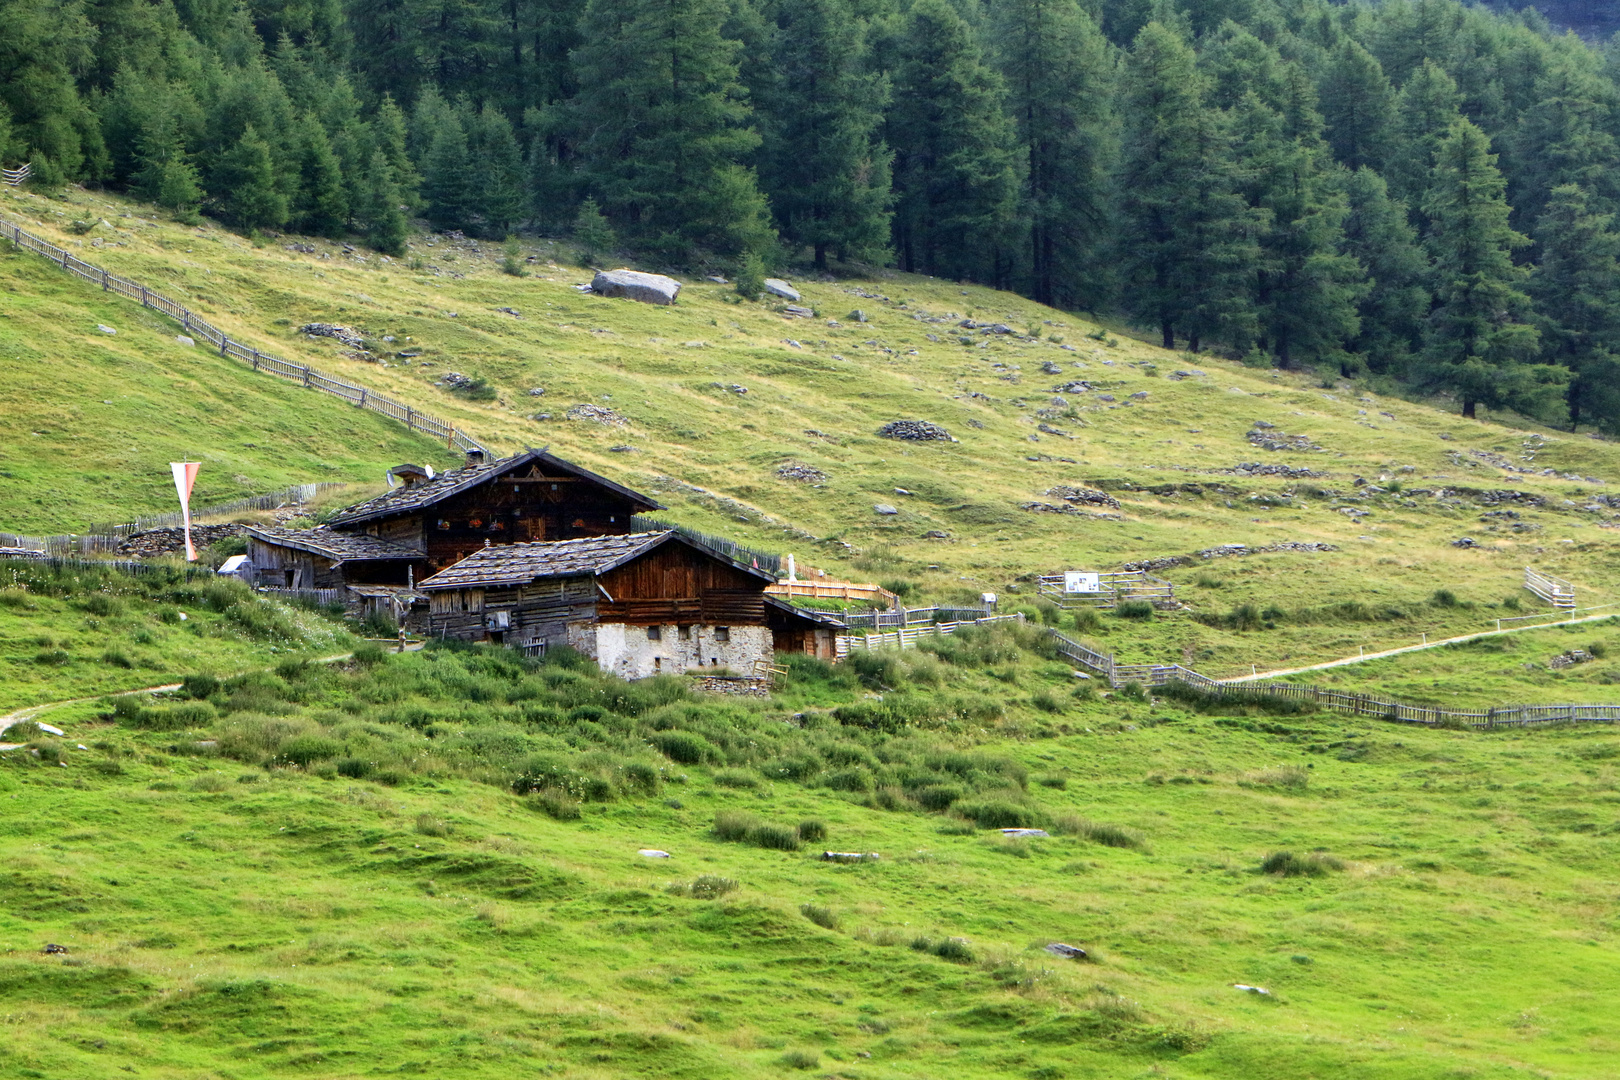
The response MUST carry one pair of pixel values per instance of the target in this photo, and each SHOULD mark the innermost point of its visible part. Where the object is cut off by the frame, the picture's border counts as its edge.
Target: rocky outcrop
(635, 285)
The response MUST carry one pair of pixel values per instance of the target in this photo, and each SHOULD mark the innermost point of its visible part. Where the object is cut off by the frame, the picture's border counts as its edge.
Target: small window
(658, 663)
(722, 633)
(655, 633)
(685, 633)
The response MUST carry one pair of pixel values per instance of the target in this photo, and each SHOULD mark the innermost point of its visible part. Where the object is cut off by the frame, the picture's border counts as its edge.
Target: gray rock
(182, 339)
(538, 391)
(858, 315)
(635, 285)
(105, 329)
(778, 287)
(885, 509)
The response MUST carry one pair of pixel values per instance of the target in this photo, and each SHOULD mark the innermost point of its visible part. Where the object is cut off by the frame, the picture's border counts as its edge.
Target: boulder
(885, 509)
(778, 287)
(634, 285)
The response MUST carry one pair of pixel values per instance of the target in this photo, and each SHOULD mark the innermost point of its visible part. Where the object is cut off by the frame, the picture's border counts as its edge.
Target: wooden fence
(823, 589)
(16, 177)
(908, 638)
(904, 617)
(1113, 587)
(1555, 591)
(760, 560)
(302, 374)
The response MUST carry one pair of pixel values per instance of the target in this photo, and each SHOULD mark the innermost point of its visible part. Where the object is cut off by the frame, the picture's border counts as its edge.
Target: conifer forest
(1415, 192)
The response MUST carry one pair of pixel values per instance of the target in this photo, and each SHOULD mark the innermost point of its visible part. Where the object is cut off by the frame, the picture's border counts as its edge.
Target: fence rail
(16, 177)
(312, 596)
(906, 638)
(771, 564)
(358, 396)
(879, 620)
(1555, 591)
(1113, 587)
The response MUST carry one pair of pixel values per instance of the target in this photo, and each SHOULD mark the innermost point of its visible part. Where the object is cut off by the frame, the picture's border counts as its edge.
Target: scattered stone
(915, 431)
(885, 509)
(1251, 989)
(455, 380)
(1261, 435)
(1050, 430)
(654, 853)
(1105, 397)
(790, 342)
(798, 470)
(733, 388)
(105, 329)
(936, 534)
(993, 328)
(1446, 435)
(1140, 395)
(635, 285)
(408, 354)
(1076, 387)
(849, 856)
(503, 310)
(1049, 368)
(798, 312)
(302, 249)
(1256, 468)
(345, 335)
(778, 287)
(1033, 833)
(1177, 376)
(537, 391)
(186, 341)
(623, 449)
(1464, 542)
(860, 316)
(596, 414)
(1071, 952)
(54, 949)
(1083, 496)
(717, 279)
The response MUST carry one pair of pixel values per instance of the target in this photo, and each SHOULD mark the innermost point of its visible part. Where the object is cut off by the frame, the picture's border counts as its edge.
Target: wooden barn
(527, 497)
(639, 605)
(327, 559)
(799, 630)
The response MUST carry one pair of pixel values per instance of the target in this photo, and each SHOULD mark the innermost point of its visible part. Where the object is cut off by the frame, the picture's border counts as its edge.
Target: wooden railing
(302, 374)
(879, 620)
(1113, 587)
(822, 589)
(16, 177)
(908, 638)
(1555, 591)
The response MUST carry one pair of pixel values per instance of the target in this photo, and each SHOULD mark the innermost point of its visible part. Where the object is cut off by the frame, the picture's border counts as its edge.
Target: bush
(776, 837)
(1287, 864)
(732, 825)
(428, 825)
(305, 750)
(1445, 598)
(102, 604)
(117, 658)
(705, 887)
(999, 815)
(685, 747)
(1046, 701)
(800, 1059)
(953, 949)
(370, 654)
(52, 657)
(176, 717)
(750, 277)
(199, 686)
(823, 917)
(736, 778)
(1134, 609)
(1117, 836)
(877, 669)
(556, 805)
(812, 831)
(355, 768)
(937, 796)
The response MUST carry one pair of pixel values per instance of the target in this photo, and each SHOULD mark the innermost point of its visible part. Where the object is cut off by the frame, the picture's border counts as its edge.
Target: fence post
(362, 401)
(410, 418)
(143, 297)
(306, 375)
(224, 342)
(103, 280)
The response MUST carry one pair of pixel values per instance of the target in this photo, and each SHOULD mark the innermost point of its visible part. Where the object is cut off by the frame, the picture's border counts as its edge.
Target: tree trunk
(1169, 334)
(1468, 409)
(1192, 344)
(821, 255)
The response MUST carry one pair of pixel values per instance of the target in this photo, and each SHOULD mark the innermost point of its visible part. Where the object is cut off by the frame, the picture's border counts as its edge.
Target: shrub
(995, 814)
(101, 604)
(705, 887)
(1134, 609)
(1287, 864)
(750, 276)
(644, 777)
(1444, 598)
(1132, 691)
(209, 782)
(823, 917)
(812, 831)
(307, 749)
(878, 669)
(556, 804)
(937, 796)
(355, 768)
(428, 825)
(686, 747)
(370, 654)
(1084, 619)
(800, 1059)
(176, 717)
(199, 686)
(117, 658)
(955, 950)
(732, 825)
(1118, 836)
(856, 780)
(1598, 649)
(1046, 701)
(777, 837)
(52, 657)
(736, 778)
(1053, 780)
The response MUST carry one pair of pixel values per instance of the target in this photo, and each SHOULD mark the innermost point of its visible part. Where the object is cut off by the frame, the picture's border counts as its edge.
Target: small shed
(800, 630)
(324, 558)
(639, 604)
(236, 566)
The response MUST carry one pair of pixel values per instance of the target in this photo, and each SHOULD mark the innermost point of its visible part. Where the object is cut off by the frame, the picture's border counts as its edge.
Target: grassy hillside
(816, 392)
(345, 881)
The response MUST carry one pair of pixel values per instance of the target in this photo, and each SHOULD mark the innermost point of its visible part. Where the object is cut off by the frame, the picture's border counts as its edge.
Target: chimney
(410, 475)
(475, 455)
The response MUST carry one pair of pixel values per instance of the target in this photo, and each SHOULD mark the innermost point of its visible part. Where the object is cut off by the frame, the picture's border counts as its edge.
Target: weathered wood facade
(639, 605)
(798, 630)
(324, 559)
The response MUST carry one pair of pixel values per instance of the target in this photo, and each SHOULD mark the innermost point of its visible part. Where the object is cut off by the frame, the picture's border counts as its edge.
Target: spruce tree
(501, 188)
(244, 184)
(1378, 235)
(1478, 341)
(448, 173)
(1567, 136)
(665, 127)
(593, 233)
(1358, 106)
(954, 180)
(823, 165)
(1305, 287)
(386, 228)
(164, 174)
(390, 134)
(1186, 235)
(1059, 77)
(322, 204)
(1424, 114)
(1577, 294)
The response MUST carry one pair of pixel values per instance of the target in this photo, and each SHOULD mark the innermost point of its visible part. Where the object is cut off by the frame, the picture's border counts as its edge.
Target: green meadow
(429, 864)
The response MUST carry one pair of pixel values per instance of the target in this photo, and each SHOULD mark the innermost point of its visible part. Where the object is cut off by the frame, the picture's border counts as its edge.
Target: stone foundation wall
(628, 652)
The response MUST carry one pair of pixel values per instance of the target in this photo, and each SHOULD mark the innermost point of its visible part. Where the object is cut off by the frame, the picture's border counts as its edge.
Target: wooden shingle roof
(519, 564)
(425, 493)
(328, 543)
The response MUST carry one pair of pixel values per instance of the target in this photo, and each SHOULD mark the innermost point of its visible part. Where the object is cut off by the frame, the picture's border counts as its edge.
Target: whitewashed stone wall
(626, 651)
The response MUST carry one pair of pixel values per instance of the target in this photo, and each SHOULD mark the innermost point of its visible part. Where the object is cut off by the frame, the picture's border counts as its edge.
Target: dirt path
(1409, 648)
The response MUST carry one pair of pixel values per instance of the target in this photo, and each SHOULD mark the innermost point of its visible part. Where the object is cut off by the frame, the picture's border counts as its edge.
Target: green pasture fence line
(1502, 716)
(306, 376)
(123, 566)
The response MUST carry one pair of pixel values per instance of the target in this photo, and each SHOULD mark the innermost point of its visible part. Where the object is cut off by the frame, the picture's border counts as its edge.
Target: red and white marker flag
(185, 475)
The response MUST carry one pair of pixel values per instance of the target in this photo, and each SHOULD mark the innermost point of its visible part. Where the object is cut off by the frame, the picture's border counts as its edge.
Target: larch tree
(1577, 294)
(1358, 106)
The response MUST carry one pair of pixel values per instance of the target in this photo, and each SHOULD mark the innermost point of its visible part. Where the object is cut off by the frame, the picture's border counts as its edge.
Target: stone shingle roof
(337, 546)
(423, 494)
(518, 564)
